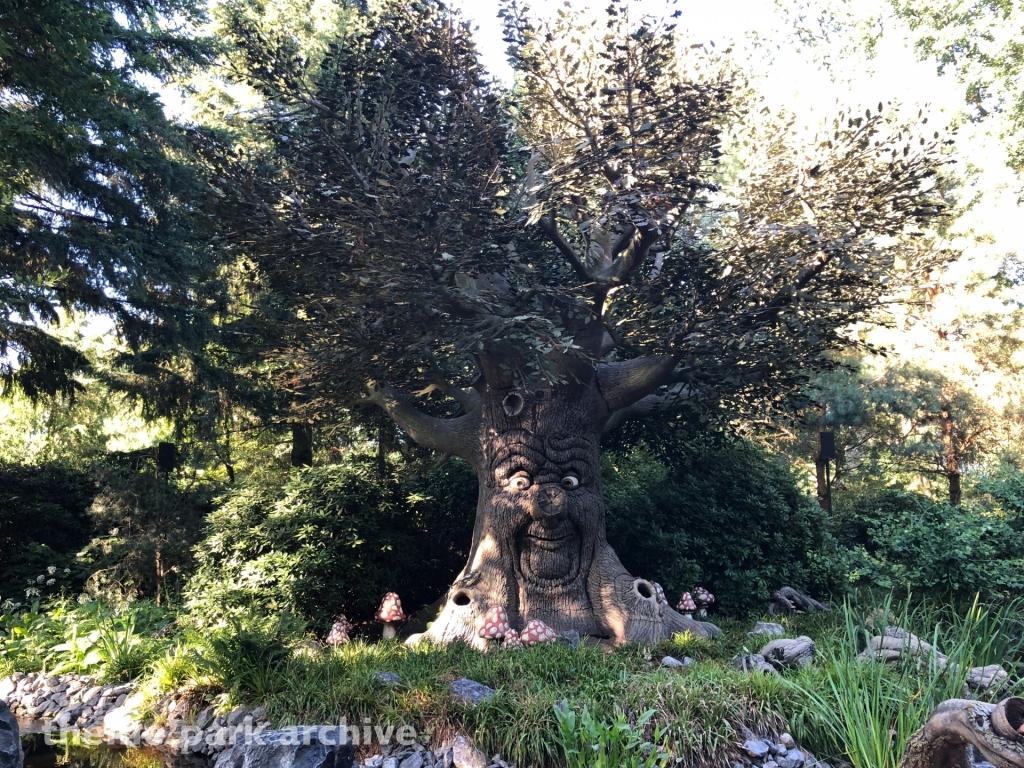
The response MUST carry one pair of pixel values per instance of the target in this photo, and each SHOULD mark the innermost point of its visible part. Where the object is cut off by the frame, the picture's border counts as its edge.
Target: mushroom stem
(389, 630)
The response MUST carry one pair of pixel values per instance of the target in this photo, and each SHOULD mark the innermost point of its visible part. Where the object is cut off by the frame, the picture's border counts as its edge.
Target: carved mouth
(550, 555)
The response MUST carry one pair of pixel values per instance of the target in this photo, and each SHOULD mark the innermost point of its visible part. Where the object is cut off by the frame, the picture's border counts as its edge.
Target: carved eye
(570, 481)
(519, 483)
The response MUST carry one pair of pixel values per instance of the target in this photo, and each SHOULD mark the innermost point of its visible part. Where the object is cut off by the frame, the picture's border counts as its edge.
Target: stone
(304, 747)
(374, 762)
(471, 692)
(794, 758)
(757, 748)
(669, 661)
(388, 678)
(11, 755)
(415, 760)
(570, 637)
(7, 686)
(390, 762)
(787, 741)
(769, 628)
(465, 755)
(204, 718)
(236, 715)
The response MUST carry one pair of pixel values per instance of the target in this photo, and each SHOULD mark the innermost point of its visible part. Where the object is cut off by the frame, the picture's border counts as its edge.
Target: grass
(553, 703)
(865, 712)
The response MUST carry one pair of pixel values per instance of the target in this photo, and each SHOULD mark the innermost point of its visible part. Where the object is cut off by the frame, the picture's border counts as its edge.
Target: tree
(574, 250)
(97, 192)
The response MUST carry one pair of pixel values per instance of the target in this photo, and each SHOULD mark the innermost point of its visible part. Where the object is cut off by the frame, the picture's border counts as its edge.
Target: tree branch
(650, 405)
(455, 436)
(622, 384)
(550, 228)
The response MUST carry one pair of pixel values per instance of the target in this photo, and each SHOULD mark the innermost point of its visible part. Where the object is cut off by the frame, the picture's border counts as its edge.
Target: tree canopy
(627, 200)
(98, 195)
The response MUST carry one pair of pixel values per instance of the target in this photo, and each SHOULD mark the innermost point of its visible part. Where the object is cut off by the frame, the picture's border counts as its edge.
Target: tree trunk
(302, 444)
(539, 547)
(949, 456)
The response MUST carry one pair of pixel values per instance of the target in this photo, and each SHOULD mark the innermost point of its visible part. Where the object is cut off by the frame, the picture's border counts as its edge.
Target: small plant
(244, 656)
(591, 743)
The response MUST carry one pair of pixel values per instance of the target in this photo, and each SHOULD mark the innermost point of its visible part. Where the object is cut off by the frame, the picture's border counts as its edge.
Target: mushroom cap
(494, 624)
(339, 632)
(702, 596)
(343, 621)
(686, 604)
(537, 632)
(659, 593)
(512, 640)
(390, 609)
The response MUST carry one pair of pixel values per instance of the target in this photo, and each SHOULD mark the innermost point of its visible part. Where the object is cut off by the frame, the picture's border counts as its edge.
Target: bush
(722, 513)
(334, 539)
(909, 542)
(43, 522)
(146, 528)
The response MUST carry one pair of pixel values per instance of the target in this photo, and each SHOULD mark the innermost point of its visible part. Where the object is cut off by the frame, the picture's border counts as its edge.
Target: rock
(259, 714)
(471, 692)
(669, 661)
(790, 654)
(465, 755)
(752, 662)
(390, 762)
(11, 755)
(756, 748)
(767, 628)
(787, 741)
(415, 760)
(236, 715)
(570, 637)
(388, 678)
(204, 718)
(794, 758)
(306, 747)
(374, 762)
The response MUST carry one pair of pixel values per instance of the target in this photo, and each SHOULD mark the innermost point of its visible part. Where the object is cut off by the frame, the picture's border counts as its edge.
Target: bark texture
(958, 723)
(539, 547)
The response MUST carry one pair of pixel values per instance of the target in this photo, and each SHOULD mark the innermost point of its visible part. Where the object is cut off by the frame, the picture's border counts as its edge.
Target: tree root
(993, 729)
(788, 600)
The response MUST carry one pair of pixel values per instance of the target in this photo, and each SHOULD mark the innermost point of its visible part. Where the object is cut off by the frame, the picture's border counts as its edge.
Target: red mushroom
(686, 605)
(537, 632)
(703, 598)
(512, 640)
(494, 624)
(390, 613)
(339, 631)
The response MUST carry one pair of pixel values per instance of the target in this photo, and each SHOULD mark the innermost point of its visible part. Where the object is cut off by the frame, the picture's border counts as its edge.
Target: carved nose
(550, 505)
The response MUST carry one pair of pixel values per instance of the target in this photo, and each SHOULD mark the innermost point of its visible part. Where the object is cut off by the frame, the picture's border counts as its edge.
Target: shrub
(43, 522)
(334, 539)
(911, 543)
(146, 528)
(721, 513)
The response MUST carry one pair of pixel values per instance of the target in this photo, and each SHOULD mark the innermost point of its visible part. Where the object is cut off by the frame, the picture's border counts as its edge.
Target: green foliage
(588, 742)
(865, 711)
(245, 656)
(721, 513)
(43, 523)
(97, 195)
(88, 638)
(911, 543)
(145, 528)
(334, 539)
